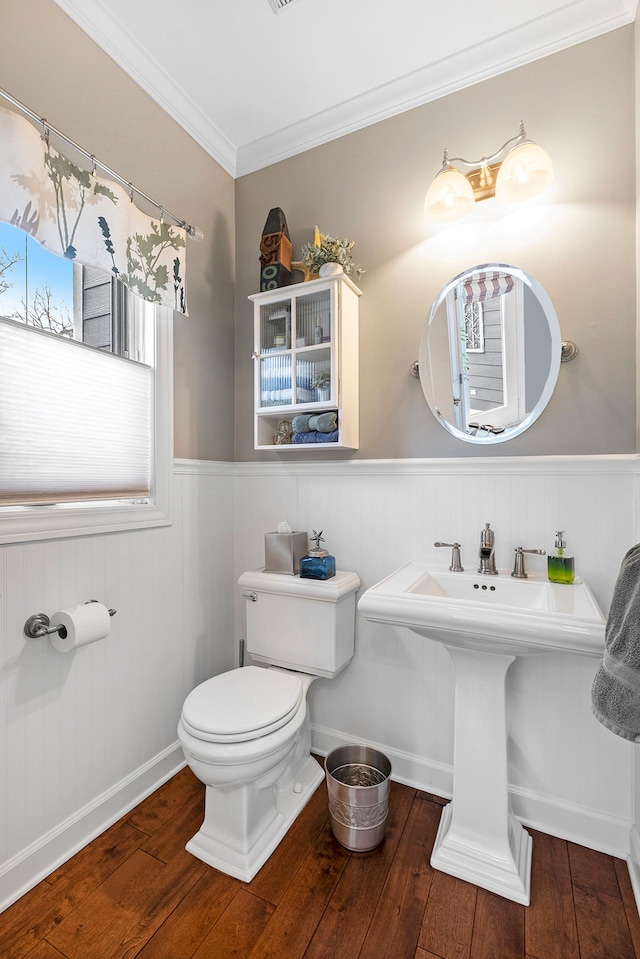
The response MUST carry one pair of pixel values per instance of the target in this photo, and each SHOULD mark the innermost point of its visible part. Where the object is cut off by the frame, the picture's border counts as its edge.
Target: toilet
(246, 733)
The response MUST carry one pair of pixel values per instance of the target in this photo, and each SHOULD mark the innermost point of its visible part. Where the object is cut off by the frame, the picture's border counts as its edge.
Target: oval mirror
(490, 353)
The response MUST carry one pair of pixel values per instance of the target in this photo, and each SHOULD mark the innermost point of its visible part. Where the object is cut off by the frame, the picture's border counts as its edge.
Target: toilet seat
(241, 705)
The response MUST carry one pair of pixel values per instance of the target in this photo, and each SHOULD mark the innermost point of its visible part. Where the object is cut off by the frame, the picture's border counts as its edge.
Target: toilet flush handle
(252, 596)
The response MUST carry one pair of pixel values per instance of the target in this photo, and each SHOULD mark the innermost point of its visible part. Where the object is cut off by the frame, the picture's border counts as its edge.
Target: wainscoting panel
(85, 734)
(569, 775)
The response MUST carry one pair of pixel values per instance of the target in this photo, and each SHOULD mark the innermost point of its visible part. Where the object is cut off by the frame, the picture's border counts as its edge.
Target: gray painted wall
(578, 242)
(52, 67)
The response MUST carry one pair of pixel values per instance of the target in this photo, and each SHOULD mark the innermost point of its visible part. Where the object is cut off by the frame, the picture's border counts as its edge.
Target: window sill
(53, 522)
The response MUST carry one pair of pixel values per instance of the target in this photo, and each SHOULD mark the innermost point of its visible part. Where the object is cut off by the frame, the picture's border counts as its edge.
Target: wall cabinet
(306, 362)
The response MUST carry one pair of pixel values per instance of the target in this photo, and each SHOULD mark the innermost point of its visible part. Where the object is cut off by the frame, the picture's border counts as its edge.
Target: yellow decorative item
(300, 264)
(308, 275)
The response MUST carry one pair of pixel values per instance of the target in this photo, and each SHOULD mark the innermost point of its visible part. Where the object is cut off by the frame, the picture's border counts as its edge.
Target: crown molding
(572, 24)
(114, 37)
(568, 25)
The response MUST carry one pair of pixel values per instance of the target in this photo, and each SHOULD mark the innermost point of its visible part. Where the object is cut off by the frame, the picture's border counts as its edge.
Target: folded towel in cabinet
(615, 694)
(286, 396)
(323, 422)
(300, 423)
(315, 436)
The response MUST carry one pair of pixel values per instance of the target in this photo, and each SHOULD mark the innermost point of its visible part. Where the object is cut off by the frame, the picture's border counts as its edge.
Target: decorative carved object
(275, 252)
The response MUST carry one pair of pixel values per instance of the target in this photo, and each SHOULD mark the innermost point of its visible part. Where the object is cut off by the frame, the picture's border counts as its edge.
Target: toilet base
(289, 801)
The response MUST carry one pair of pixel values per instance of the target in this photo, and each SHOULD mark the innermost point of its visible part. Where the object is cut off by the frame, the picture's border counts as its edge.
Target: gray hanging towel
(615, 695)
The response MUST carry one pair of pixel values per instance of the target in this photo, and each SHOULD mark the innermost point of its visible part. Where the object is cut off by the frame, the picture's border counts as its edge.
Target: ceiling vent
(278, 5)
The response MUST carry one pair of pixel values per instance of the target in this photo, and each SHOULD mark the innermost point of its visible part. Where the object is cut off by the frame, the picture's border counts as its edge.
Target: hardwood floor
(135, 891)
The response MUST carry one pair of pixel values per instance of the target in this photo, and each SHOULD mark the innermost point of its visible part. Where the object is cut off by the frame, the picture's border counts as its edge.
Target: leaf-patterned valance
(73, 212)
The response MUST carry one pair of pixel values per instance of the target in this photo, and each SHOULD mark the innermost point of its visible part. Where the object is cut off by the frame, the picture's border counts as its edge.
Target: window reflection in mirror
(490, 353)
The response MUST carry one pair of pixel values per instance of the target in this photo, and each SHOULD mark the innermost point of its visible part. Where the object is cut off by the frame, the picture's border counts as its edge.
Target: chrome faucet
(487, 551)
(456, 565)
(519, 572)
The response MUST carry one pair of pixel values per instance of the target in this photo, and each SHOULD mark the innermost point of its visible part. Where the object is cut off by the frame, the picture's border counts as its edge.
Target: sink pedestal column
(479, 838)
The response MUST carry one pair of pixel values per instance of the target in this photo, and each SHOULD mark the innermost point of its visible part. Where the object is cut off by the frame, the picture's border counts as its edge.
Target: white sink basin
(485, 622)
(491, 613)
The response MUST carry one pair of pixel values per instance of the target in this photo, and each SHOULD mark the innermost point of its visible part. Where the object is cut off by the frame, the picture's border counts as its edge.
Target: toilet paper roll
(82, 625)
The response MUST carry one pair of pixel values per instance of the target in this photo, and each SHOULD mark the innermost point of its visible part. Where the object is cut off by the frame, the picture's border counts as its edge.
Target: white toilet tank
(302, 624)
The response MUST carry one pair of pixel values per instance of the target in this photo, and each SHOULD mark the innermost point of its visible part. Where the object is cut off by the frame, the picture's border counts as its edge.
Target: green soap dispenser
(560, 568)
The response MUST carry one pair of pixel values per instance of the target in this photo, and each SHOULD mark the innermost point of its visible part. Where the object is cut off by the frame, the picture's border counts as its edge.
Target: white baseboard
(573, 822)
(38, 860)
(633, 864)
(580, 824)
(408, 769)
(557, 818)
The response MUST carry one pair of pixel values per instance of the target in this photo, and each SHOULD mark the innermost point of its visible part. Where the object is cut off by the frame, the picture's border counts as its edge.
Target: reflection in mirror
(490, 353)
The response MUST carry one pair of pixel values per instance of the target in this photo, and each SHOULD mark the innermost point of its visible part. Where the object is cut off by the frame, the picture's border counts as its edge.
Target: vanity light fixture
(519, 170)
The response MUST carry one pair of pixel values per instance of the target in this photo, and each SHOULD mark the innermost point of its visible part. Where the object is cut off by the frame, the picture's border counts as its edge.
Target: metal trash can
(358, 787)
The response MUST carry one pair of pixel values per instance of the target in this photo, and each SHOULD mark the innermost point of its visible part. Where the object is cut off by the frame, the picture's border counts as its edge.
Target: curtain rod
(192, 231)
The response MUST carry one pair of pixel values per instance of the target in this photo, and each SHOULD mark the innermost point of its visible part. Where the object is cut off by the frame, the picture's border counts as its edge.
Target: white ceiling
(253, 87)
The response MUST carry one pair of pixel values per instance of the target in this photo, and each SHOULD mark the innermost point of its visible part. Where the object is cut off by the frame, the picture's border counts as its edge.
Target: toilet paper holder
(40, 625)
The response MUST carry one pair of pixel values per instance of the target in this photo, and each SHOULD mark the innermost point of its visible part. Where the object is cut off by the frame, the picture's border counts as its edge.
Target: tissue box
(283, 552)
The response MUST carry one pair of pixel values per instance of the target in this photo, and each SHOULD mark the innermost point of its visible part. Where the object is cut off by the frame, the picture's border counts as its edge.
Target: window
(474, 327)
(85, 399)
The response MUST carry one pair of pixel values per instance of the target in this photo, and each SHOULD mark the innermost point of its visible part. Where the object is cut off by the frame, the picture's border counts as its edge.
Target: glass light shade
(449, 197)
(526, 172)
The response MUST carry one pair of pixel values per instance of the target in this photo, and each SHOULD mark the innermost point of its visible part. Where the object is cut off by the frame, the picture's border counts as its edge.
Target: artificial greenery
(330, 250)
(321, 379)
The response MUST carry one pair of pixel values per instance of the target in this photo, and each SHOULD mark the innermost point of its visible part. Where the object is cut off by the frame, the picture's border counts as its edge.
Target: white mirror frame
(424, 356)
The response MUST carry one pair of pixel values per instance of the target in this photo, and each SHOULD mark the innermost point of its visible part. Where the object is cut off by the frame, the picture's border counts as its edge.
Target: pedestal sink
(485, 622)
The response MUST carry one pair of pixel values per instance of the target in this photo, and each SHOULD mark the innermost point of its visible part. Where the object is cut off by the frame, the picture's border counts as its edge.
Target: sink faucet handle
(456, 565)
(519, 571)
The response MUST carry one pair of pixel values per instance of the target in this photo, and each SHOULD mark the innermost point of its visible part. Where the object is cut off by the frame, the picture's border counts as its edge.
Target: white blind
(75, 423)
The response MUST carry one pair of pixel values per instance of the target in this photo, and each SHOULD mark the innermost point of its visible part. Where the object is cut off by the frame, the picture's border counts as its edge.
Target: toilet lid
(241, 704)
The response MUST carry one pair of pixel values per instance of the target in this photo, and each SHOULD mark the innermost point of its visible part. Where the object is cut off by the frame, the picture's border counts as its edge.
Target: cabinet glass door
(274, 356)
(275, 327)
(276, 386)
(313, 319)
(313, 347)
(313, 376)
